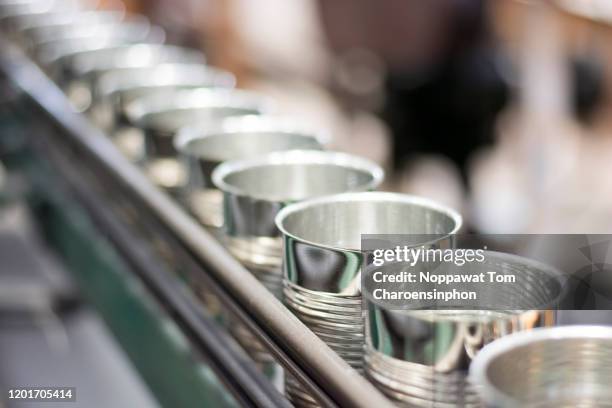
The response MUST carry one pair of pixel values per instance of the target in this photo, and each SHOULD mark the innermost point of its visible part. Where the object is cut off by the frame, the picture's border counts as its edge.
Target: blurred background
(497, 108)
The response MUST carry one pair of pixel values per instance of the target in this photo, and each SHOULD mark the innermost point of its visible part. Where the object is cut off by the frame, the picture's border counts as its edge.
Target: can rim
(296, 157)
(247, 125)
(480, 364)
(115, 81)
(137, 110)
(377, 196)
(85, 62)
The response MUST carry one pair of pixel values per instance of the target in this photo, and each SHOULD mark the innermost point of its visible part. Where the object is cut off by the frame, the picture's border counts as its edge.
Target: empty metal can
(17, 17)
(43, 27)
(85, 67)
(116, 89)
(12, 14)
(203, 147)
(55, 54)
(256, 189)
(421, 357)
(39, 35)
(161, 116)
(565, 366)
(322, 260)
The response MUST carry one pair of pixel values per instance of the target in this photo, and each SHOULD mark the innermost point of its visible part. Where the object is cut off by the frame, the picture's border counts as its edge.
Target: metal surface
(13, 15)
(132, 56)
(84, 68)
(41, 27)
(85, 25)
(420, 358)
(237, 372)
(117, 88)
(310, 237)
(256, 189)
(323, 258)
(306, 356)
(161, 116)
(17, 9)
(203, 147)
(56, 54)
(44, 41)
(568, 366)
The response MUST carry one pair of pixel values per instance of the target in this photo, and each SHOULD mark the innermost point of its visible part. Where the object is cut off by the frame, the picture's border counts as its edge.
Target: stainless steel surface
(83, 25)
(132, 56)
(41, 33)
(567, 366)
(322, 259)
(19, 8)
(56, 54)
(421, 358)
(353, 215)
(117, 88)
(11, 15)
(256, 189)
(56, 25)
(286, 336)
(161, 116)
(205, 146)
(84, 68)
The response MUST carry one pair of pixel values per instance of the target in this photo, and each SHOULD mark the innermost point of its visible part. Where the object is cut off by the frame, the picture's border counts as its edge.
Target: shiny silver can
(256, 189)
(85, 67)
(565, 366)
(55, 53)
(117, 88)
(160, 117)
(421, 357)
(44, 27)
(203, 147)
(322, 260)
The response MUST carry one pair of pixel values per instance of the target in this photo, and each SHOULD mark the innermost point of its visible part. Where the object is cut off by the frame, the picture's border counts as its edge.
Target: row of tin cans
(293, 213)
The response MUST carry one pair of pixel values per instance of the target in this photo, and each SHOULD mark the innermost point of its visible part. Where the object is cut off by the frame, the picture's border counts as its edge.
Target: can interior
(140, 55)
(285, 182)
(173, 119)
(340, 224)
(240, 145)
(167, 75)
(530, 374)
